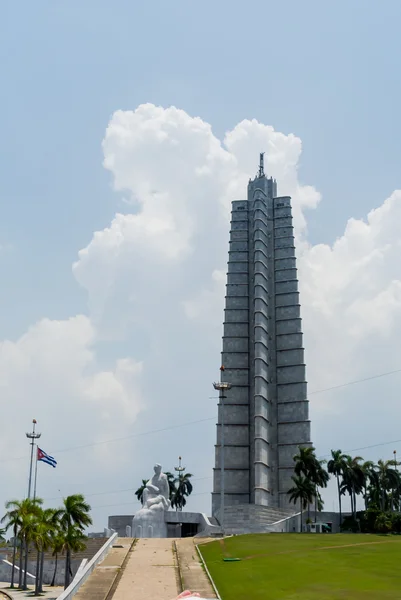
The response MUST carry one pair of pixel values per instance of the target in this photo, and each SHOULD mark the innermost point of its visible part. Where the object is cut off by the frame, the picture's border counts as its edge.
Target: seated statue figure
(149, 520)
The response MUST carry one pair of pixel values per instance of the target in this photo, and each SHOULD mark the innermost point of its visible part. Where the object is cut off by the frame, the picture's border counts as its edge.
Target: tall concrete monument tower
(266, 414)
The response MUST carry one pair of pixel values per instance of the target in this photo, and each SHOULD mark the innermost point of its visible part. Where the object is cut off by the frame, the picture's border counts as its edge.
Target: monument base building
(265, 413)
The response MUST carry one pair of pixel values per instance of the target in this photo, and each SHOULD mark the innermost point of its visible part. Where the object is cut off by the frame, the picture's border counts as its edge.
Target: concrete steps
(93, 545)
(99, 586)
(251, 518)
(254, 513)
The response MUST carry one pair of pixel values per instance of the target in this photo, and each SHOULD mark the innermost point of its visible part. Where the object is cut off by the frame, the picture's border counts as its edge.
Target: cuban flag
(43, 457)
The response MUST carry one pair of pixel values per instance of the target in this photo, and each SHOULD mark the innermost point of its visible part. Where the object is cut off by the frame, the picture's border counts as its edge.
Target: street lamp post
(222, 387)
(179, 469)
(33, 437)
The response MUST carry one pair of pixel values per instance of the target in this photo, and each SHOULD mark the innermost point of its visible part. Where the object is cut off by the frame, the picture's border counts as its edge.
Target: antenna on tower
(261, 165)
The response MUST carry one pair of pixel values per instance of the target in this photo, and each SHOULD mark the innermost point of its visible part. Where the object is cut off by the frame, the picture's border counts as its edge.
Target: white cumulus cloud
(155, 282)
(179, 174)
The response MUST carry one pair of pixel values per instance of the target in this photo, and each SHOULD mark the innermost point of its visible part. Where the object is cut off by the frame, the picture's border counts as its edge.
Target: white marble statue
(149, 520)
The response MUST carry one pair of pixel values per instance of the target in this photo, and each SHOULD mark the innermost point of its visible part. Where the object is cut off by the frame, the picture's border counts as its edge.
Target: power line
(204, 478)
(127, 437)
(130, 503)
(366, 447)
(336, 387)
(163, 429)
(118, 491)
(204, 493)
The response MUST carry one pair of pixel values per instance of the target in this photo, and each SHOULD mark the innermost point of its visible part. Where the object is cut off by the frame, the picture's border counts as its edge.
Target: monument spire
(261, 172)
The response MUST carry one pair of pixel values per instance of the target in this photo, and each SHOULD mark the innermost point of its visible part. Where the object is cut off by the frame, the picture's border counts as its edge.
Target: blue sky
(327, 72)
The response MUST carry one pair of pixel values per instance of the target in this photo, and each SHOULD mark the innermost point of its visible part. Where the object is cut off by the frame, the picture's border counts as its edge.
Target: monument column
(266, 411)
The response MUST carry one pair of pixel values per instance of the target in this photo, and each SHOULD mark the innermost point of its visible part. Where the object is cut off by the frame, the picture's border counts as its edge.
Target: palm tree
(305, 461)
(388, 480)
(13, 521)
(307, 464)
(395, 493)
(38, 536)
(29, 524)
(171, 484)
(319, 502)
(304, 491)
(183, 487)
(46, 528)
(320, 478)
(73, 541)
(337, 466)
(57, 547)
(353, 480)
(370, 476)
(20, 516)
(140, 490)
(74, 517)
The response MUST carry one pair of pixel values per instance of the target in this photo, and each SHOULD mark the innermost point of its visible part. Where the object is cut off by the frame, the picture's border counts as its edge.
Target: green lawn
(306, 567)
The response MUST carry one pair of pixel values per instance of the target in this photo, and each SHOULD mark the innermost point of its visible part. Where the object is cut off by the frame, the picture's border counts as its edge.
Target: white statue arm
(152, 488)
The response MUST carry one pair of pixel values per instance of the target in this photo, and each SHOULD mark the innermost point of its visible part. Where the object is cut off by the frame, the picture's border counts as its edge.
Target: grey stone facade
(266, 414)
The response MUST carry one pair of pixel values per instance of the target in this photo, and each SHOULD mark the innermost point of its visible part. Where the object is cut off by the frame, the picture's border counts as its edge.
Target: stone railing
(83, 574)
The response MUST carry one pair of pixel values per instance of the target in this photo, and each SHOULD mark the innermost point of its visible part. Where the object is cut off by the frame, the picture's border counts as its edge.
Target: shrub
(396, 522)
(349, 524)
(368, 520)
(383, 523)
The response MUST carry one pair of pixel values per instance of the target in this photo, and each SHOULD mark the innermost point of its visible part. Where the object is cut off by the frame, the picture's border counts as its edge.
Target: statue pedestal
(149, 523)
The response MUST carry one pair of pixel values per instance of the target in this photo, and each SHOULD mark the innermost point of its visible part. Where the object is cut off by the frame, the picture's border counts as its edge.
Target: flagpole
(36, 473)
(32, 436)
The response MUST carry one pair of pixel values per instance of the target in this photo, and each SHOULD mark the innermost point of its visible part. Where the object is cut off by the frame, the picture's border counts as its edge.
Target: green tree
(396, 522)
(57, 547)
(305, 461)
(20, 516)
(74, 540)
(388, 481)
(171, 484)
(383, 523)
(29, 524)
(140, 490)
(337, 466)
(46, 527)
(320, 479)
(369, 477)
(183, 489)
(74, 517)
(12, 519)
(353, 480)
(302, 491)
(308, 465)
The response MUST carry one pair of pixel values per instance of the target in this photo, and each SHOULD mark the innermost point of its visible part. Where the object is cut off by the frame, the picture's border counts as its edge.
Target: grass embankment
(306, 567)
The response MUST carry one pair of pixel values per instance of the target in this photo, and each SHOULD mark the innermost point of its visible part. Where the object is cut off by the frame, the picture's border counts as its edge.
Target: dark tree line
(379, 484)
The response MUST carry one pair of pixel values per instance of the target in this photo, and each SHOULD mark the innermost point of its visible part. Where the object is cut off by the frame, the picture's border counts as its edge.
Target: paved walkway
(193, 576)
(150, 573)
(147, 571)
